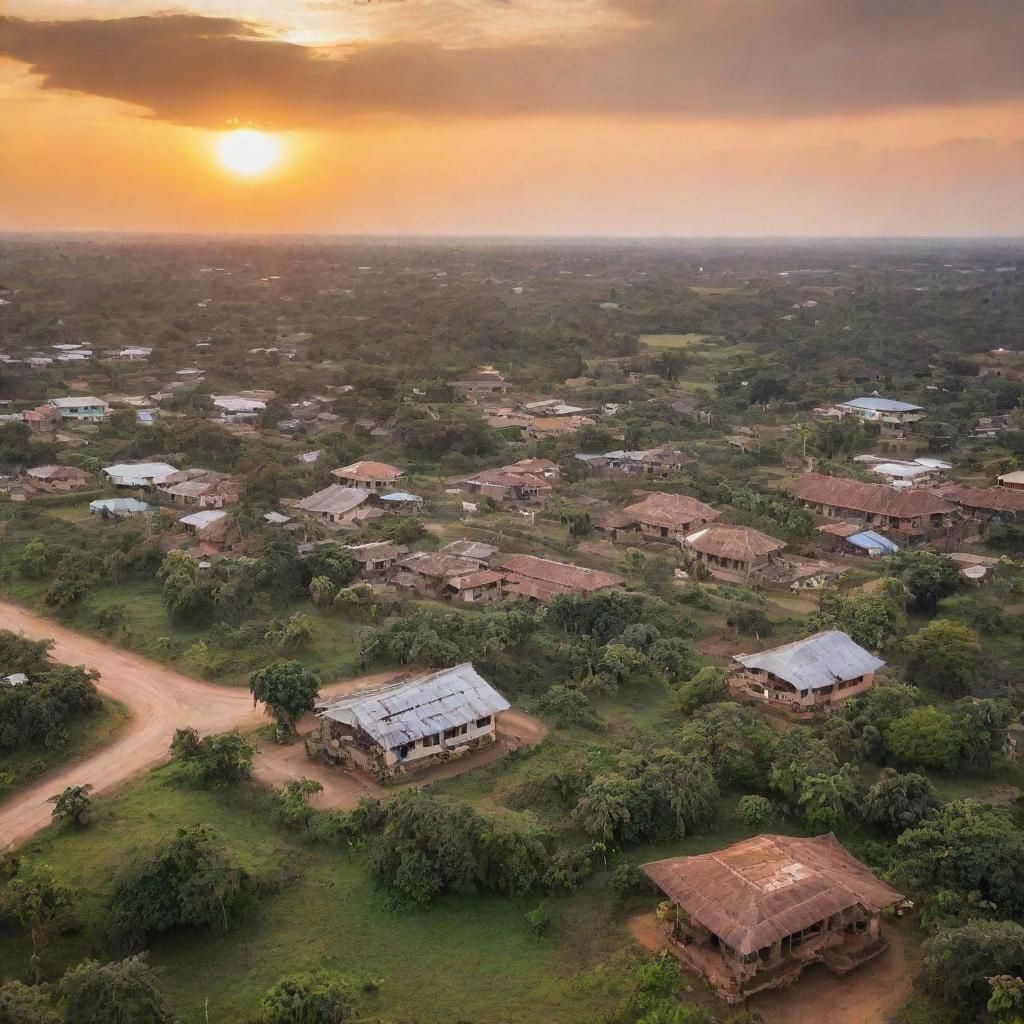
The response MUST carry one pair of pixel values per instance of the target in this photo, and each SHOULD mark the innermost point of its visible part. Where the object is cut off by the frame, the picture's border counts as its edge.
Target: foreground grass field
(89, 733)
(470, 959)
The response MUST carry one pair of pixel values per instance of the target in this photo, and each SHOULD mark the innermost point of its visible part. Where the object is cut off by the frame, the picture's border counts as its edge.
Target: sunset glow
(247, 152)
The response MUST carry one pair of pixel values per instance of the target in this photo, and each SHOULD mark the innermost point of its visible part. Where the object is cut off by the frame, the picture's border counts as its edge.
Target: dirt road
(161, 700)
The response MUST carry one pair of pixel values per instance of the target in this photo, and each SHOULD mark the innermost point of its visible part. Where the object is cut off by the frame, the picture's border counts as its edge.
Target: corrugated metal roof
(409, 710)
(880, 405)
(871, 541)
(816, 661)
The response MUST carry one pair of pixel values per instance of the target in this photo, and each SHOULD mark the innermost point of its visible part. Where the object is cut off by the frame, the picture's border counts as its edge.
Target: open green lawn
(468, 959)
(672, 340)
(88, 733)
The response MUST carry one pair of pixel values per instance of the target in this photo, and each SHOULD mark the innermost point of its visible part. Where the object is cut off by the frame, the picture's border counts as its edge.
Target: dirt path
(160, 700)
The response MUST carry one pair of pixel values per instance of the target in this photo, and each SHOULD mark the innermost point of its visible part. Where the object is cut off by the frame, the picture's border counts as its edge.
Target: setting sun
(248, 152)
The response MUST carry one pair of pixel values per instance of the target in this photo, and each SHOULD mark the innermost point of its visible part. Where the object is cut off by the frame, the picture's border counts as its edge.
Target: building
(541, 579)
(201, 488)
(480, 383)
(476, 587)
(368, 476)
(413, 723)
(911, 515)
(752, 916)
(906, 473)
(83, 410)
(529, 481)
(853, 539)
(118, 508)
(402, 503)
(234, 407)
(429, 572)
(377, 558)
(732, 553)
(661, 461)
(59, 478)
(474, 549)
(660, 516)
(139, 474)
(335, 505)
(202, 524)
(41, 420)
(1012, 481)
(819, 670)
(542, 427)
(986, 503)
(884, 411)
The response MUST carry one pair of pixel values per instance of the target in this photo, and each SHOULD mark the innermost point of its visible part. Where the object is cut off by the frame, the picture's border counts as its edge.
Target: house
(732, 553)
(853, 539)
(133, 354)
(1012, 481)
(901, 473)
(139, 474)
(541, 579)
(529, 481)
(412, 723)
(752, 916)
(41, 420)
(909, 515)
(428, 572)
(660, 516)
(234, 407)
(481, 382)
(376, 558)
(474, 549)
(119, 508)
(200, 524)
(335, 505)
(59, 478)
(542, 427)
(986, 503)
(819, 670)
(402, 503)
(368, 476)
(475, 587)
(661, 461)
(201, 488)
(83, 410)
(884, 411)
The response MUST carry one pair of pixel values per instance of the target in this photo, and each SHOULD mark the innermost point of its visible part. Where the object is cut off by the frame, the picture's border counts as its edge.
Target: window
(432, 740)
(482, 722)
(459, 730)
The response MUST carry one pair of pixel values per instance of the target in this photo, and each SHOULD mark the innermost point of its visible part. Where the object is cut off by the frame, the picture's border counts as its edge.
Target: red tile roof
(672, 510)
(368, 471)
(739, 542)
(877, 499)
(559, 574)
(991, 499)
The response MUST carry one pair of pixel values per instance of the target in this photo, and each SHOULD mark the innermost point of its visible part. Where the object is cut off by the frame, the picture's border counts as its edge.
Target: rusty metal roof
(422, 706)
(756, 892)
(816, 661)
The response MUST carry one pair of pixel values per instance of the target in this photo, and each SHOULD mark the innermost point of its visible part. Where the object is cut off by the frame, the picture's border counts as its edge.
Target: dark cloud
(663, 58)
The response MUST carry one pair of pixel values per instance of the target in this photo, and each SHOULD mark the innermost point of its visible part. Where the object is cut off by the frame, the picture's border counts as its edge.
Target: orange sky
(626, 117)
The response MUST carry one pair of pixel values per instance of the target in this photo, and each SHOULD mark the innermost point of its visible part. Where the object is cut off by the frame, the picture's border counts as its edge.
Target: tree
(967, 848)
(927, 737)
(332, 561)
(186, 881)
(899, 801)
(825, 796)
(292, 802)
(605, 809)
(944, 654)
(321, 590)
(1006, 1004)
(72, 805)
(755, 811)
(708, 686)
(957, 963)
(928, 575)
(874, 620)
(122, 992)
(752, 621)
(567, 707)
(288, 689)
(25, 1004)
(39, 901)
(218, 759)
(313, 997)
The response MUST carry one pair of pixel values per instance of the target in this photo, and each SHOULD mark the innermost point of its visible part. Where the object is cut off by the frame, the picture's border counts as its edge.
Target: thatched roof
(756, 892)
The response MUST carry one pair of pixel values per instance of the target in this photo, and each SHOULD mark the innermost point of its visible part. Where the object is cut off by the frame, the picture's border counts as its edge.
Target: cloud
(650, 59)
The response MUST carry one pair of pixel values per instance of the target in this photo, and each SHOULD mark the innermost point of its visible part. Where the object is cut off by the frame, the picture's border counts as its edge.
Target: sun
(248, 152)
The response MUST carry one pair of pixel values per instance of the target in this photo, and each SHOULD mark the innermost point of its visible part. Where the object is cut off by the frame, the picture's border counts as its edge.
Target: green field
(468, 959)
(88, 734)
(673, 340)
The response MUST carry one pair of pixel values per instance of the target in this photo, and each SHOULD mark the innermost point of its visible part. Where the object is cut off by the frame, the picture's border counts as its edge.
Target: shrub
(755, 811)
(314, 997)
(123, 992)
(567, 707)
(218, 759)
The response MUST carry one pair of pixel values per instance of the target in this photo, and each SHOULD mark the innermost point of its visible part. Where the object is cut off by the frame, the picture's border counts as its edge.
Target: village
(702, 641)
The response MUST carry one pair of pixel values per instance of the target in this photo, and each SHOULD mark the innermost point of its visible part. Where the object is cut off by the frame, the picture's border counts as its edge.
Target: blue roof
(871, 541)
(400, 496)
(882, 405)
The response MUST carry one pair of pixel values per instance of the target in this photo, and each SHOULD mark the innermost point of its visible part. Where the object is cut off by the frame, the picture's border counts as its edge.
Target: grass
(88, 734)
(469, 958)
(662, 341)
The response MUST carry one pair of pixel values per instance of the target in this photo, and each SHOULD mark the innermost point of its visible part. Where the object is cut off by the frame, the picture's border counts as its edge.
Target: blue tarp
(871, 541)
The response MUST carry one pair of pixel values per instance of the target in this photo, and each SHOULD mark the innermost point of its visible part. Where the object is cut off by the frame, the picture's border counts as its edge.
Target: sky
(533, 117)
